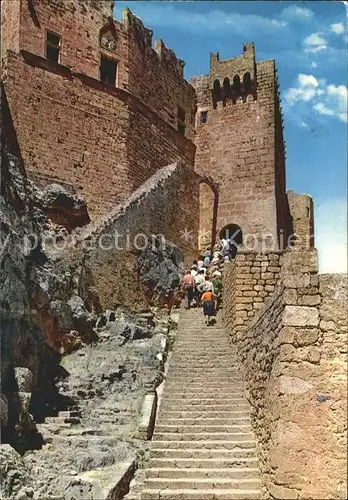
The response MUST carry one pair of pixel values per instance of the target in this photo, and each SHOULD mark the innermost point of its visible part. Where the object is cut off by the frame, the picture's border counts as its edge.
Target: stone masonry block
(309, 300)
(290, 296)
(300, 316)
(307, 336)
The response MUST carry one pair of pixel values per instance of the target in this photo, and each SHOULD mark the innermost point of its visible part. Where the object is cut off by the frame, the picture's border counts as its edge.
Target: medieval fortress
(100, 108)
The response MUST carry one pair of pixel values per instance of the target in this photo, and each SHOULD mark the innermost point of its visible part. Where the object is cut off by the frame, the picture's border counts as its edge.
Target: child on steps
(208, 305)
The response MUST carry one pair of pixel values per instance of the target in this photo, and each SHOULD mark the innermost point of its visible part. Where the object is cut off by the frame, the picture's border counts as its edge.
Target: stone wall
(104, 140)
(248, 280)
(293, 355)
(165, 204)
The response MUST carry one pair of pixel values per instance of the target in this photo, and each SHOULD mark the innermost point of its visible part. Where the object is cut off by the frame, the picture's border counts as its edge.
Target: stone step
(209, 391)
(220, 399)
(202, 483)
(52, 427)
(227, 444)
(204, 350)
(69, 413)
(204, 415)
(187, 369)
(233, 456)
(176, 422)
(194, 428)
(194, 377)
(184, 369)
(198, 406)
(197, 473)
(86, 432)
(200, 494)
(201, 394)
(62, 420)
(78, 440)
(198, 358)
(233, 387)
(173, 383)
(203, 378)
(198, 462)
(199, 347)
(207, 435)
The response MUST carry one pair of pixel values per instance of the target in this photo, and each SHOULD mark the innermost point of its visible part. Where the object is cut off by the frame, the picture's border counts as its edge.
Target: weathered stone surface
(300, 316)
(3, 410)
(292, 356)
(63, 207)
(293, 385)
(14, 475)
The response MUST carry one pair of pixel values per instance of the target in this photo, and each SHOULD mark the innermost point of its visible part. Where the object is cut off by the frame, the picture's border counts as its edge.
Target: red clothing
(207, 296)
(188, 280)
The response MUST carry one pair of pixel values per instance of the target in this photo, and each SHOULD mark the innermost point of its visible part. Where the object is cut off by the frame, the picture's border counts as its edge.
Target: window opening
(108, 69)
(52, 46)
(204, 116)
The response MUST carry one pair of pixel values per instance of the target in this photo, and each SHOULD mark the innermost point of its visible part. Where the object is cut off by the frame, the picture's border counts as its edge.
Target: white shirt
(199, 279)
(205, 286)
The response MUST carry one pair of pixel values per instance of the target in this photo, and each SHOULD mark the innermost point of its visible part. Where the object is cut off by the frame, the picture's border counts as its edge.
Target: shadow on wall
(208, 209)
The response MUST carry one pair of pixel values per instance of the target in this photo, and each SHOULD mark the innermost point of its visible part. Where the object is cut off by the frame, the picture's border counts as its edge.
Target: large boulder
(159, 270)
(14, 475)
(3, 410)
(62, 207)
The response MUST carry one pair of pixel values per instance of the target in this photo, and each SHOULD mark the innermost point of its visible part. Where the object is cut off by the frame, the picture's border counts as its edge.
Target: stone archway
(208, 206)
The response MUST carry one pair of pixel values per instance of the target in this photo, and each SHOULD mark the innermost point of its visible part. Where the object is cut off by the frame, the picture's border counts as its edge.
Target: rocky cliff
(72, 375)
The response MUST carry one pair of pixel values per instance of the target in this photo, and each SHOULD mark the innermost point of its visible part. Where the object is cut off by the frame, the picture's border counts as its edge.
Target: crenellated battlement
(142, 35)
(235, 78)
(135, 27)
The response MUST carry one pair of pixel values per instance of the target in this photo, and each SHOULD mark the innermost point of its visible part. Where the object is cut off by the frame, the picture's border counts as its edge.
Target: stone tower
(240, 151)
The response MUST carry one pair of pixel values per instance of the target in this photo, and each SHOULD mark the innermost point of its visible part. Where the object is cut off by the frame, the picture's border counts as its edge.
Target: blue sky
(308, 40)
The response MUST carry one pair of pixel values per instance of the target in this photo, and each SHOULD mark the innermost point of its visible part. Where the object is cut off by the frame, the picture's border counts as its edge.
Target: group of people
(202, 284)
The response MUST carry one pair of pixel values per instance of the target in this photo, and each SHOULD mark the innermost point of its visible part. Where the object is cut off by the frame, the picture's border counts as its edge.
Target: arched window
(236, 84)
(247, 82)
(217, 89)
(233, 233)
(227, 87)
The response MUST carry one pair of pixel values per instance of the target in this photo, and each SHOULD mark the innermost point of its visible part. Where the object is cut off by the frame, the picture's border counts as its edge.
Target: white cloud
(294, 12)
(315, 43)
(331, 235)
(336, 102)
(337, 28)
(314, 64)
(323, 110)
(324, 99)
(305, 80)
(305, 91)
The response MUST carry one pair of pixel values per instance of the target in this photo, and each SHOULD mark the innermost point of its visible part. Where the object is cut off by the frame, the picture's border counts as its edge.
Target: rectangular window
(181, 121)
(52, 46)
(204, 116)
(108, 69)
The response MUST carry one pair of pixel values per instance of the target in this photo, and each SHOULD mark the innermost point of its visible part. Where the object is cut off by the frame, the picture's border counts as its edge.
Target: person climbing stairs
(203, 444)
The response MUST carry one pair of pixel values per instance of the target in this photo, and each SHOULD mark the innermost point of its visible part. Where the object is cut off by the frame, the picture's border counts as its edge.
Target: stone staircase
(54, 425)
(203, 445)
